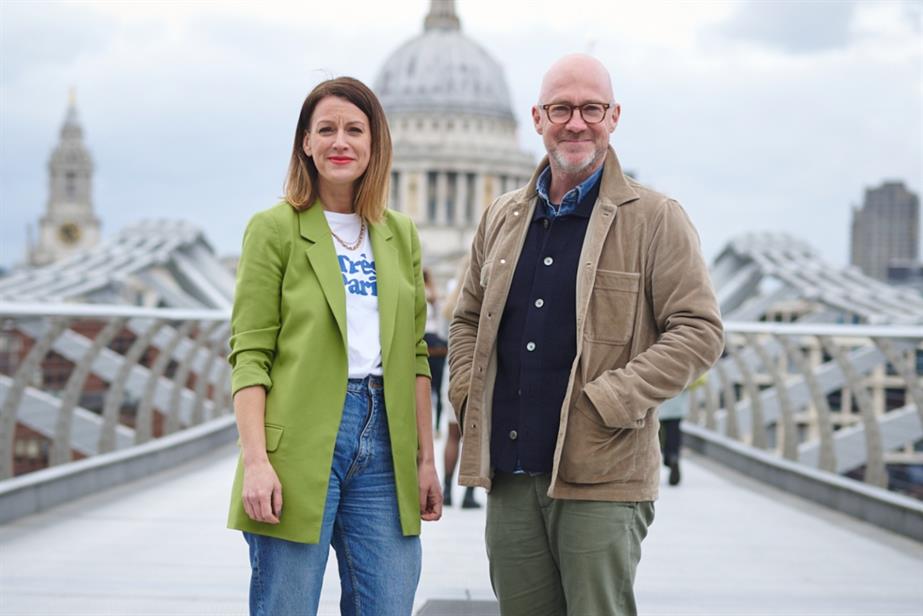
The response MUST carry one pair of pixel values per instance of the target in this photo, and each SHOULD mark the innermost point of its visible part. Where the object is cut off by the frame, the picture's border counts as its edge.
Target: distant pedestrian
(330, 378)
(671, 414)
(435, 342)
(453, 439)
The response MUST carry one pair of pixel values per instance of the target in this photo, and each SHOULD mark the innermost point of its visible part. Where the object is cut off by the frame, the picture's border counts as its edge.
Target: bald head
(576, 71)
(575, 88)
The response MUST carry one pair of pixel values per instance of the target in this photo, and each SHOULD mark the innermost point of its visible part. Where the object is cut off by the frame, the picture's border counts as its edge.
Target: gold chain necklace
(358, 241)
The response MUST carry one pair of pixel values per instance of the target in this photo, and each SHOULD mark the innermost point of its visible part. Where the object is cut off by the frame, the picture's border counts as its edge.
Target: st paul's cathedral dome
(454, 134)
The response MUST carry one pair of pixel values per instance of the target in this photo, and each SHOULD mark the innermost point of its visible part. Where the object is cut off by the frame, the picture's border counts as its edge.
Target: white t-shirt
(361, 285)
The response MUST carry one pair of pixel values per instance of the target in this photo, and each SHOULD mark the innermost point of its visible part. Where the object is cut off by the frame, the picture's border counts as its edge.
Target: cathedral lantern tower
(454, 134)
(69, 224)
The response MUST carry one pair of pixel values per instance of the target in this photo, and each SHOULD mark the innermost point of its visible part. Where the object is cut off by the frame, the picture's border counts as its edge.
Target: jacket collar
(312, 225)
(614, 187)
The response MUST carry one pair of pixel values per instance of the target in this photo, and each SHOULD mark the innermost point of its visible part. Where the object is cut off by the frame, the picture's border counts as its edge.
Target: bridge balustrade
(847, 399)
(80, 380)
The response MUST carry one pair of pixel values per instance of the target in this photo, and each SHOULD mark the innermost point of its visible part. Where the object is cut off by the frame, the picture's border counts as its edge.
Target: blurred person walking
(453, 440)
(435, 343)
(671, 414)
(330, 377)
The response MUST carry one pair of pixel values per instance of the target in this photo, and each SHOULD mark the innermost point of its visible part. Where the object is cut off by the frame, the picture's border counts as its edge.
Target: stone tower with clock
(69, 224)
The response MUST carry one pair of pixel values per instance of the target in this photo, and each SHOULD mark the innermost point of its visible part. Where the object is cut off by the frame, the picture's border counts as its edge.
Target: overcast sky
(755, 115)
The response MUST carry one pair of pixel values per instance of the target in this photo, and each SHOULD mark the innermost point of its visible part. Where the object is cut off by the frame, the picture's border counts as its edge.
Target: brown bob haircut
(372, 188)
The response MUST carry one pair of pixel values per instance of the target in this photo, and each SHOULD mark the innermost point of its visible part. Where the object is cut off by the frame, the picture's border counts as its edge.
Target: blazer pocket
(273, 437)
(593, 453)
(613, 303)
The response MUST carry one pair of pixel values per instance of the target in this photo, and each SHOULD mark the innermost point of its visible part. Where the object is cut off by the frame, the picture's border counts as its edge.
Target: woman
(330, 376)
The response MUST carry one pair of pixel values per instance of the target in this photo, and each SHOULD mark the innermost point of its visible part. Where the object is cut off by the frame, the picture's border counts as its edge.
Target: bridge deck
(721, 545)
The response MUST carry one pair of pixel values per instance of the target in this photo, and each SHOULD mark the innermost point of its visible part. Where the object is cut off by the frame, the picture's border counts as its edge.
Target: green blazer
(288, 334)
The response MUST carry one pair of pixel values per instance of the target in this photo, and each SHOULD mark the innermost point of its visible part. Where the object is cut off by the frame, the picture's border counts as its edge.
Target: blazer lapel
(323, 259)
(387, 272)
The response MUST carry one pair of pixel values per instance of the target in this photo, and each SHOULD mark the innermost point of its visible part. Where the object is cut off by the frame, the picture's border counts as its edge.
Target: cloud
(33, 37)
(803, 27)
(912, 13)
(191, 115)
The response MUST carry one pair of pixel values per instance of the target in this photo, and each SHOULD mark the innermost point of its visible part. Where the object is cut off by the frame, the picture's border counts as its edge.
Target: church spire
(71, 129)
(441, 16)
(69, 223)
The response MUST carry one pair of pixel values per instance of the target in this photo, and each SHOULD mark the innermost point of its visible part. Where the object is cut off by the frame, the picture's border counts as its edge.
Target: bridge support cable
(116, 394)
(726, 422)
(145, 416)
(875, 472)
(204, 376)
(61, 444)
(181, 377)
(819, 404)
(24, 374)
(789, 435)
(757, 425)
(905, 367)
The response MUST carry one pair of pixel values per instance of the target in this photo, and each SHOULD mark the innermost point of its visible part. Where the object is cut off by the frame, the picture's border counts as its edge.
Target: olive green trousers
(551, 557)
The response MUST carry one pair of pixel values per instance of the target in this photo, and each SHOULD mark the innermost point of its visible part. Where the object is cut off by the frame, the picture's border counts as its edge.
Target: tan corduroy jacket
(647, 325)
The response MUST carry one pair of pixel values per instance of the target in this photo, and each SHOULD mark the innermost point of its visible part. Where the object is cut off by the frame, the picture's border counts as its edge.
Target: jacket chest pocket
(613, 303)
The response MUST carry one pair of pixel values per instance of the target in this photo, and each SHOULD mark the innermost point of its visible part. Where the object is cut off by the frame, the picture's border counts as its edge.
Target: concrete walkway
(721, 545)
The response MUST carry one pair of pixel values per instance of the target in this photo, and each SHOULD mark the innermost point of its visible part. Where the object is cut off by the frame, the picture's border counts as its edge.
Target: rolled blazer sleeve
(686, 315)
(256, 316)
(422, 353)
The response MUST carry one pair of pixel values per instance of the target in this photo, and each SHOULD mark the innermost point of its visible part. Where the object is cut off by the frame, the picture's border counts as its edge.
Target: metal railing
(847, 399)
(77, 380)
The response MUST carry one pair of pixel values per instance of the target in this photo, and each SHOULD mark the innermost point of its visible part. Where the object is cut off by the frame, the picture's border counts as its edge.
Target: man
(586, 304)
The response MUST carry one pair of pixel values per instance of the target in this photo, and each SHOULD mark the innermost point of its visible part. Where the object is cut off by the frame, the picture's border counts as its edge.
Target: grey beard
(571, 168)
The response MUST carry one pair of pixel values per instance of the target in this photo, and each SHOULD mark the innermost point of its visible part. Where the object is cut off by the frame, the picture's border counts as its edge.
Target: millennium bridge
(802, 486)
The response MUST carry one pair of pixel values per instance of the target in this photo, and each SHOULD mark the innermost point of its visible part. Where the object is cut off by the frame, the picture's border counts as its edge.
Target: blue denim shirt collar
(571, 199)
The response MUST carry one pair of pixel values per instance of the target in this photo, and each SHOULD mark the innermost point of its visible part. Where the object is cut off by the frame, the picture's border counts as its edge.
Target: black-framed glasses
(561, 113)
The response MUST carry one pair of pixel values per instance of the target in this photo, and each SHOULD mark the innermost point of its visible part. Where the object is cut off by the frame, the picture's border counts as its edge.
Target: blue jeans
(379, 567)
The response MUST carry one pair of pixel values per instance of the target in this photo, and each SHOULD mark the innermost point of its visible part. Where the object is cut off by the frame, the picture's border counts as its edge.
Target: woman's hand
(430, 492)
(262, 492)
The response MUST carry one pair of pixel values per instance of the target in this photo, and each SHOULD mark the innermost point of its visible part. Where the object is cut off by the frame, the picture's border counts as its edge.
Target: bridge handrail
(107, 311)
(824, 329)
(165, 373)
(838, 401)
